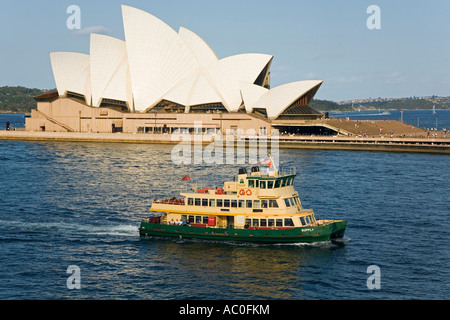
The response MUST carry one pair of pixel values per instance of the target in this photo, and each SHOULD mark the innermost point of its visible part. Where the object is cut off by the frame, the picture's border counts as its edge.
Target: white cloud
(311, 76)
(92, 29)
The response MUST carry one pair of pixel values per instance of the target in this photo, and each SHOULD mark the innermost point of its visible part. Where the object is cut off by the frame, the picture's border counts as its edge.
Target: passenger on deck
(172, 222)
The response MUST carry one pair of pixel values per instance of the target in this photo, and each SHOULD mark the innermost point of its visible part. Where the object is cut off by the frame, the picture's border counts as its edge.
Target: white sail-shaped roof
(228, 73)
(251, 93)
(194, 90)
(158, 57)
(72, 73)
(156, 63)
(199, 48)
(109, 70)
(278, 99)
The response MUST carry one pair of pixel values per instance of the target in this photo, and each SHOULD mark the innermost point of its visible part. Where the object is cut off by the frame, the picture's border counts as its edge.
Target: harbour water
(425, 119)
(79, 204)
(16, 120)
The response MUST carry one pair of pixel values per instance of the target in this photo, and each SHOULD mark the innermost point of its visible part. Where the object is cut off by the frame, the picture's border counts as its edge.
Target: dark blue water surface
(16, 120)
(64, 204)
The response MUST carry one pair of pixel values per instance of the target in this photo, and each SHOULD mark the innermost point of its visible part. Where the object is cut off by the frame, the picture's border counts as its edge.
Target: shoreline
(382, 144)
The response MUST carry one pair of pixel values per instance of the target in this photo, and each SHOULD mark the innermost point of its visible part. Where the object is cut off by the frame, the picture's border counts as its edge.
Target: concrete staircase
(69, 129)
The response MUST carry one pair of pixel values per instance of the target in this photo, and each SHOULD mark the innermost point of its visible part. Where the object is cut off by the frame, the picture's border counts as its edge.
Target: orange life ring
(249, 192)
(242, 192)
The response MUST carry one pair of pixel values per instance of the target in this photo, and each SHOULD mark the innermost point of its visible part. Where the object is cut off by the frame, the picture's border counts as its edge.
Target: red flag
(186, 178)
(268, 163)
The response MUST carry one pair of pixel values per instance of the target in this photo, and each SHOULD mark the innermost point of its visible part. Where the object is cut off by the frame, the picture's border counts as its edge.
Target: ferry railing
(175, 202)
(199, 186)
(288, 171)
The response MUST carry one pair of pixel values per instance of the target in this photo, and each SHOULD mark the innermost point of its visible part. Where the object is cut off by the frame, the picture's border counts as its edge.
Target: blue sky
(315, 39)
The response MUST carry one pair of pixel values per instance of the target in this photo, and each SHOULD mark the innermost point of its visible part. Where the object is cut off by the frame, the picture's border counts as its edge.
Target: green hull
(327, 232)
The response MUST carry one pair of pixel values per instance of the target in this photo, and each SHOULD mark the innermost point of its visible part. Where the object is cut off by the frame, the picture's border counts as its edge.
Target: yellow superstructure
(254, 200)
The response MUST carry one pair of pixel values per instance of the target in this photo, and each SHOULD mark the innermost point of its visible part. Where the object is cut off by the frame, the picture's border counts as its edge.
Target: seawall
(384, 144)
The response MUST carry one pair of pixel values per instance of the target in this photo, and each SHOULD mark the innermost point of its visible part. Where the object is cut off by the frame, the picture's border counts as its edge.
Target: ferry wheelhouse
(257, 207)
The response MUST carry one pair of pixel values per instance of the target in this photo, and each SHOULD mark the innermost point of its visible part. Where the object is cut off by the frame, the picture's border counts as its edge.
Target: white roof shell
(158, 57)
(201, 50)
(251, 93)
(110, 75)
(155, 63)
(72, 73)
(228, 73)
(277, 100)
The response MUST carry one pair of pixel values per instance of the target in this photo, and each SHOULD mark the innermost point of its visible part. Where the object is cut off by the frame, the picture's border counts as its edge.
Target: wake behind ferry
(260, 206)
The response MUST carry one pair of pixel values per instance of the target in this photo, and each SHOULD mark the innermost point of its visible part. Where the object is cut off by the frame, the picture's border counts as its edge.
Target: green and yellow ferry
(257, 207)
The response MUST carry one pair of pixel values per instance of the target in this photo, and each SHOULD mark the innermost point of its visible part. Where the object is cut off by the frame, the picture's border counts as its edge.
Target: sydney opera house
(160, 81)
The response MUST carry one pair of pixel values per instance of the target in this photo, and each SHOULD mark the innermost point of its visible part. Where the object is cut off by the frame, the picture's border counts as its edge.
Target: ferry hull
(333, 230)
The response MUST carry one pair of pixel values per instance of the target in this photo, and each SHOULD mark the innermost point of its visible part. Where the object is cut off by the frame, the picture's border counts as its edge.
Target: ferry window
(307, 220)
(257, 204)
(292, 201)
(277, 183)
(263, 222)
(302, 221)
(205, 202)
(270, 184)
(283, 182)
(249, 203)
(287, 202)
(288, 222)
(241, 203)
(313, 220)
(234, 203)
(190, 201)
(205, 219)
(279, 222)
(226, 203)
(184, 217)
(271, 222)
(255, 222)
(263, 203)
(248, 221)
(197, 201)
(212, 202)
(262, 184)
(251, 183)
(273, 204)
(291, 180)
(256, 183)
(198, 219)
(219, 202)
(191, 219)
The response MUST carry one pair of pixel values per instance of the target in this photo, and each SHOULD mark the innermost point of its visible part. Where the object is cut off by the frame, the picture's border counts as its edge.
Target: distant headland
(21, 100)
